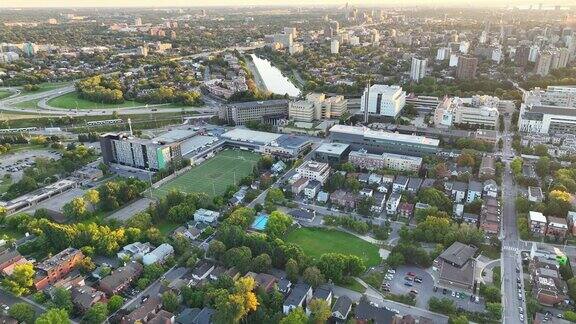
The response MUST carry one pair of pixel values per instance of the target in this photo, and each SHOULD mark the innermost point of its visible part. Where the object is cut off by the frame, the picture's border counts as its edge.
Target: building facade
(265, 111)
(383, 100)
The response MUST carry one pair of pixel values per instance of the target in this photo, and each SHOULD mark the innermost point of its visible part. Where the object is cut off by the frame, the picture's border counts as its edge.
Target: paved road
(510, 260)
(9, 299)
(126, 212)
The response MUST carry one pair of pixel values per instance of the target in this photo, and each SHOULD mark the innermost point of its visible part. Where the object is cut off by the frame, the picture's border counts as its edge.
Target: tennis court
(214, 175)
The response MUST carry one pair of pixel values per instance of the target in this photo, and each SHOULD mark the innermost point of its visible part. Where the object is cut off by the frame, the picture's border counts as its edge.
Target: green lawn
(72, 101)
(30, 104)
(317, 241)
(5, 94)
(47, 86)
(4, 184)
(214, 175)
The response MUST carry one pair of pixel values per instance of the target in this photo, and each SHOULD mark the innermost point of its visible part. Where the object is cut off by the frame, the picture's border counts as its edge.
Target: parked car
(411, 274)
(408, 283)
(408, 278)
(391, 271)
(453, 294)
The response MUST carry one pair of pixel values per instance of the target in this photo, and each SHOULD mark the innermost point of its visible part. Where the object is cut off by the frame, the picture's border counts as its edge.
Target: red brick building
(53, 269)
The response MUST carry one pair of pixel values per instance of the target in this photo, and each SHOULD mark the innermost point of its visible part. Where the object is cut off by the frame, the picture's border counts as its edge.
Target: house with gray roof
(300, 296)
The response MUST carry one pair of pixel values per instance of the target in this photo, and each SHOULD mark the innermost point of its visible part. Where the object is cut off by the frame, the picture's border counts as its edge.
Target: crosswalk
(510, 248)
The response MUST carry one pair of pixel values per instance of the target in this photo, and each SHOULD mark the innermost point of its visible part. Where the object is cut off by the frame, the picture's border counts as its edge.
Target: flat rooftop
(291, 141)
(332, 148)
(174, 135)
(382, 135)
(553, 110)
(251, 136)
(458, 253)
(196, 142)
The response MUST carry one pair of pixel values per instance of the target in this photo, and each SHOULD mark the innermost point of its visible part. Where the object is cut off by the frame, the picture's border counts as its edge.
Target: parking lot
(403, 282)
(14, 164)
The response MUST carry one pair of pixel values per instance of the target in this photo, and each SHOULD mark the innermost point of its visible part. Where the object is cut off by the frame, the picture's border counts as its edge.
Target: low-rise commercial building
(537, 222)
(456, 267)
(332, 153)
(312, 170)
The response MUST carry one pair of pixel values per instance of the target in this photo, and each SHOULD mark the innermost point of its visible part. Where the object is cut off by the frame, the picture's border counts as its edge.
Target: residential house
(202, 270)
(162, 317)
(121, 278)
(366, 192)
(205, 215)
(342, 308)
(312, 189)
(547, 284)
(427, 183)
(53, 269)
(393, 203)
(72, 279)
(374, 179)
(400, 184)
(299, 296)
(379, 203)
(414, 185)
(406, 210)
(490, 189)
(9, 258)
(535, 194)
(343, 198)
(474, 191)
(278, 167)
(324, 293)
(458, 210)
(459, 189)
(363, 177)
(388, 179)
(159, 254)
(264, 281)
(487, 167)
(85, 297)
(490, 216)
(369, 312)
(456, 267)
(134, 251)
(298, 186)
(284, 285)
(557, 227)
(145, 312)
(537, 222)
(217, 273)
(470, 218)
(303, 214)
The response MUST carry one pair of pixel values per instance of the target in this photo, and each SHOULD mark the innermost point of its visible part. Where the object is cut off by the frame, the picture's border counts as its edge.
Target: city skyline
(208, 3)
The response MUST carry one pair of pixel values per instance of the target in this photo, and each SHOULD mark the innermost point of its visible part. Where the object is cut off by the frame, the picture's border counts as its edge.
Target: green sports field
(317, 241)
(214, 175)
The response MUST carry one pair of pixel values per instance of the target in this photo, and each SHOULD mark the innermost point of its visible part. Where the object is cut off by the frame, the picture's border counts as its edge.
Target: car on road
(453, 294)
(519, 296)
(477, 299)
(521, 310)
(444, 291)
(518, 280)
(521, 317)
(517, 270)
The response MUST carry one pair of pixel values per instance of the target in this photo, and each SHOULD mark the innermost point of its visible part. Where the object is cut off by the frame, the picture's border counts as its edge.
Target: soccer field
(214, 175)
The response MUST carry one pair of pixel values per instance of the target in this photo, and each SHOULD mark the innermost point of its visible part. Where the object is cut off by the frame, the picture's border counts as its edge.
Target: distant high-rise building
(52, 21)
(173, 34)
(466, 68)
(29, 49)
(443, 53)
(521, 56)
(543, 64)
(334, 46)
(533, 55)
(137, 21)
(417, 69)
(335, 26)
(142, 50)
(291, 30)
(563, 57)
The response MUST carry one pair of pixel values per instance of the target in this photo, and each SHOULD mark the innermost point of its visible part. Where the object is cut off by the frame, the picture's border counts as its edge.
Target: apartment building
(317, 106)
(365, 160)
(312, 170)
(53, 269)
(269, 111)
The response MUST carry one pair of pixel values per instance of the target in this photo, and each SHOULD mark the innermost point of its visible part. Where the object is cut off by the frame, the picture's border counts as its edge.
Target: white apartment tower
(417, 69)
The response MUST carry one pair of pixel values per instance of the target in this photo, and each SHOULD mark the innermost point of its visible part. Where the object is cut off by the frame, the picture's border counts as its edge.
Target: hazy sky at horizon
(194, 3)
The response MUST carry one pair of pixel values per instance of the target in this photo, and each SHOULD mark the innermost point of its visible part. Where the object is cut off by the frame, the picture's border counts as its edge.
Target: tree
(170, 301)
(53, 316)
(541, 150)
(297, 316)
(23, 312)
(542, 167)
(570, 316)
(490, 293)
(494, 309)
(319, 311)
(242, 217)
(62, 299)
(21, 279)
(92, 196)
(435, 198)
(96, 314)
(292, 270)
(75, 208)
(114, 303)
(516, 166)
(275, 195)
(364, 205)
(278, 224)
(239, 257)
(313, 277)
(231, 308)
(216, 249)
(262, 263)
(443, 306)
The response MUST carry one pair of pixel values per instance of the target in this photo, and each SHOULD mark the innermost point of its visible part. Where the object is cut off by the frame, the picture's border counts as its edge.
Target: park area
(317, 241)
(72, 101)
(214, 175)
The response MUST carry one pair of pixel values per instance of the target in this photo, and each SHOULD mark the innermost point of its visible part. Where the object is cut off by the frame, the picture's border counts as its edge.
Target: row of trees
(100, 89)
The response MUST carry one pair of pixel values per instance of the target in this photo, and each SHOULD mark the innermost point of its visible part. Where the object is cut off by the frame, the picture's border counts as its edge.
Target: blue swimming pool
(260, 222)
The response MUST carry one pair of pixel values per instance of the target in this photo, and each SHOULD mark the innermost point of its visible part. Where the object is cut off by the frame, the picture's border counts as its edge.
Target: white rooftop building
(383, 100)
(159, 254)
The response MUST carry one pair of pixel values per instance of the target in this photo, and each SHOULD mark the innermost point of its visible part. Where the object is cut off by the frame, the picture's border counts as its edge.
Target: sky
(194, 3)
